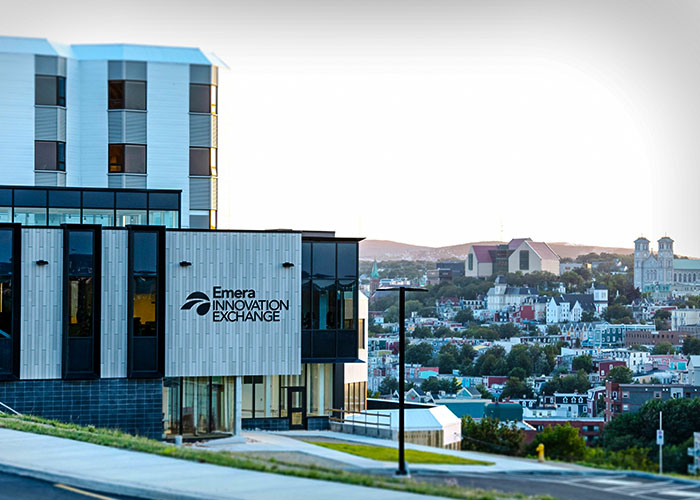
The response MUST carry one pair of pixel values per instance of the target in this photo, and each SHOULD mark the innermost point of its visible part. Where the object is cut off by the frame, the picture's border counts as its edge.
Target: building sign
(236, 305)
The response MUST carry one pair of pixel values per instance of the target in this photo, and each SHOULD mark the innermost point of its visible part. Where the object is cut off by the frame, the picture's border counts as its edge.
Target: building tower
(665, 257)
(641, 254)
(373, 279)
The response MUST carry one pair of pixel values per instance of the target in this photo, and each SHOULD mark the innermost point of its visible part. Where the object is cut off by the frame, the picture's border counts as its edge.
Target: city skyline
(497, 120)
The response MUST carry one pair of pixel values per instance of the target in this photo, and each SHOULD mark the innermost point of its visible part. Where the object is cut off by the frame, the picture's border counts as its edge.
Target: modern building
(111, 116)
(629, 398)
(659, 274)
(519, 255)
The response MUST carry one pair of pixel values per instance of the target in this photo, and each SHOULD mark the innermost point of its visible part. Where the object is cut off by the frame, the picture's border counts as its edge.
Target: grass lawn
(384, 454)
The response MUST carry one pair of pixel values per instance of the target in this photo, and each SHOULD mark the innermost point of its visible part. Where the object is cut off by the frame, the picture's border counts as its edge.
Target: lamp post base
(402, 474)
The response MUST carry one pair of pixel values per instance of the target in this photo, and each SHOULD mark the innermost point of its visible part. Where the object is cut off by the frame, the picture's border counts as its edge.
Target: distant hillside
(392, 250)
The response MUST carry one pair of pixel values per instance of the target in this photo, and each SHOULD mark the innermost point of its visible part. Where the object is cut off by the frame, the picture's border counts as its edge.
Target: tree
(519, 357)
(691, 346)
(639, 347)
(485, 394)
(517, 372)
(577, 382)
(662, 314)
(492, 362)
(464, 316)
(434, 385)
(422, 332)
(561, 442)
(587, 316)
(553, 330)
(491, 436)
(620, 374)
(507, 330)
(448, 358)
(617, 313)
(663, 348)
(516, 388)
(583, 362)
(419, 354)
(482, 332)
(388, 385)
(391, 315)
(443, 331)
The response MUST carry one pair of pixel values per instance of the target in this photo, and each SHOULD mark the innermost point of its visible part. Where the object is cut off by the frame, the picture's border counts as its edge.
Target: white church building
(663, 273)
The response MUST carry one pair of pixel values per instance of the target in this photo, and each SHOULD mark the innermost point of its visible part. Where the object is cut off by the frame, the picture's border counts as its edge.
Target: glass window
(163, 201)
(145, 252)
(98, 199)
(80, 253)
(131, 217)
(324, 305)
(324, 260)
(131, 200)
(50, 90)
(127, 158)
(50, 155)
(306, 305)
(30, 216)
(346, 304)
(80, 307)
(58, 216)
(524, 260)
(64, 198)
(347, 260)
(6, 271)
(127, 94)
(116, 158)
(171, 406)
(167, 218)
(305, 260)
(30, 197)
(98, 216)
(5, 214)
(200, 98)
(200, 161)
(144, 303)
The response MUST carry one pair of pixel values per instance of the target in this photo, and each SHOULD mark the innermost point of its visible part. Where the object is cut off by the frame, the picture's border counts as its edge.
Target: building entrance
(296, 403)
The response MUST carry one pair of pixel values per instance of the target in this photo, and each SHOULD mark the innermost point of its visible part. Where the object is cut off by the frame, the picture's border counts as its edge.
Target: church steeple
(375, 273)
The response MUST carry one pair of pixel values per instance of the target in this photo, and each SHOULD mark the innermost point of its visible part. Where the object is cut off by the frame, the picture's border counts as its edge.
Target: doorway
(296, 404)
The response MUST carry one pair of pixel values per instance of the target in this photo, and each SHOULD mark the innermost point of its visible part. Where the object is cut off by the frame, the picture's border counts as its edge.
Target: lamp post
(402, 368)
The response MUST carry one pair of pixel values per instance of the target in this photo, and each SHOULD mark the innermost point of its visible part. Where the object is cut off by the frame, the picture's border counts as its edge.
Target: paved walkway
(285, 442)
(143, 475)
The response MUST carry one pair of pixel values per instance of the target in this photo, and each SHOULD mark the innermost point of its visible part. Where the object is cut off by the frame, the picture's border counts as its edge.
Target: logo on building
(236, 306)
(199, 299)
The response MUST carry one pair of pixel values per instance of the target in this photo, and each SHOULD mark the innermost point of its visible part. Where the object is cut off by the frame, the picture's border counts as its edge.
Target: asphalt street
(571, 487)
(19, 488)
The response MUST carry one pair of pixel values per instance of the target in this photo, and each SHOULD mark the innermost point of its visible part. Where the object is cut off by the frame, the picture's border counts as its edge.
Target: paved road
(21, 488)
(609, 487)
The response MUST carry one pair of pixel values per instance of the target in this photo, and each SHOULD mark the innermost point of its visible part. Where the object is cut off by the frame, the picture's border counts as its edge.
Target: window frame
(60, 156)
(60, 97)
(122, 104)
(124, 161)
(16, 328)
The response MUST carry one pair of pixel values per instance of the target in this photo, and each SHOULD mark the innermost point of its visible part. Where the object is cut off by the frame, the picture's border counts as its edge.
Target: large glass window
(58, 216)
(9, 341)
(81, 318)
(203, 98)
(30, 216)
(524, 260)
(347, 260)
(167, 218)
(203, 162)
(131, 217)
(50, 155)
(127, 158)
(346, 303)
(127, 94)
(103, 217)
(50, 90)
(323, 262)
(324, 305)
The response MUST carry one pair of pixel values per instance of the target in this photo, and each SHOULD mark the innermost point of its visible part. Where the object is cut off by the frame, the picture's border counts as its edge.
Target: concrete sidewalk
(259, 441)
(143, 475)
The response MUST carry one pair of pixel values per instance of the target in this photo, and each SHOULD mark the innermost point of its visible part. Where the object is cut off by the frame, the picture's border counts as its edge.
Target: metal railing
(6, 409)
(339, 416)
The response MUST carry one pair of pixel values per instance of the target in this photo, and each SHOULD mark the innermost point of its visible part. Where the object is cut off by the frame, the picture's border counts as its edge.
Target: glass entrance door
(296, 402)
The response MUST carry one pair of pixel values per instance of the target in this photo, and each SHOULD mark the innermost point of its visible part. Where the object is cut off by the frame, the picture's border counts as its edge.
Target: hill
(392, 250)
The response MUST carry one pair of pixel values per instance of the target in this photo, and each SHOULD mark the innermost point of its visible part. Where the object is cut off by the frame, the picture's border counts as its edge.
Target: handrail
(343, 418)
(10, 409)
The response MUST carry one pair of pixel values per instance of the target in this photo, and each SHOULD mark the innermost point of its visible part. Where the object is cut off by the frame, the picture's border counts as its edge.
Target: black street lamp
(402, 368)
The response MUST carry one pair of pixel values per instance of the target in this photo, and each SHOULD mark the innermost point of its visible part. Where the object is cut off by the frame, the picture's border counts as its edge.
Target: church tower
(641, 253)
(665, 274)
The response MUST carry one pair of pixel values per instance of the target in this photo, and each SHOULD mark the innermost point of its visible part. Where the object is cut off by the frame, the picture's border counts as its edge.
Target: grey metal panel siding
(42, 304)
(127, 127)
(200, 193)
(195, 345)
(135, 181)
(115, 181)
(49, 178)
(214, 193)
(200, 130)
(200, 73)
(214, 131)
(62, 68)
(46, 65)
(50, 123)
(199, 221)
(114, 303)
(127, 70)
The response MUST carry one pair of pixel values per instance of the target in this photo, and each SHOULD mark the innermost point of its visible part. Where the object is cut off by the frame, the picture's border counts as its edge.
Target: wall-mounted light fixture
(42, 262)
(184, 263)
(288, 264)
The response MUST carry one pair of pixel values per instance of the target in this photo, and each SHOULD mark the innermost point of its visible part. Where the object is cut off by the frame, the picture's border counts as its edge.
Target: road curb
(137, 491)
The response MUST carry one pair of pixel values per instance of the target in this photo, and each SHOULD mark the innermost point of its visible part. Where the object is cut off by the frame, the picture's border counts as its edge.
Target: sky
(437, 122)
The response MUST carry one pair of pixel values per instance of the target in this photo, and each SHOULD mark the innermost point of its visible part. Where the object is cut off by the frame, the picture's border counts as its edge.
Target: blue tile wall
(131, 405)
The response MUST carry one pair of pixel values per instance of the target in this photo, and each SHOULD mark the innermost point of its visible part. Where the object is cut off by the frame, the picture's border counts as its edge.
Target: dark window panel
(144, 304)
(347, 292)
(116, 158)
(134, 159)
(324, 260)
(324, 305)
(64, 199)
(80, 253)
(163, 201)
(135, 95)
(306, 305)
(61, 156)
(5, 251)
(116, 95)
(6, 197)
(61, 95)
(80, 310)
(45, 155)
(200, 96)
(131, 200)
(98, 199)
(46, 90)
(200, 159)
(30, 197)
(306, 260)
(347, 260)
(145, 252)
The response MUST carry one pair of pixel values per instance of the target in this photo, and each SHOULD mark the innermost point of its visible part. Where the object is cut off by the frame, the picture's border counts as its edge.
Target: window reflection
(324, 305)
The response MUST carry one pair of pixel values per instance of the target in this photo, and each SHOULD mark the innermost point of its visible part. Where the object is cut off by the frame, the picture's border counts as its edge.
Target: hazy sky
(560, 120)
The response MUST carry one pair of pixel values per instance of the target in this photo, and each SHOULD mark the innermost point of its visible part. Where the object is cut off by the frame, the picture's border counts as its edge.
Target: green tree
(621, 375)
(388, 385)
(391, 315)
(691, 346)
(516, 388)
(663, 348)
(517, 372)
(583, 362)
(466, 357)
(519, 357)
(419, 354)
(422, 332)
(481, 332)
(464, 316)
(561, 442)
(507, 330)
(485, 394)
(491, 436)
(443, 331)
(617, 313)
(587, 316)
(492, 362)
(434, 385)
(574, 282)
(553, 330)
(639, 347)
(577, 382)
(448, 358)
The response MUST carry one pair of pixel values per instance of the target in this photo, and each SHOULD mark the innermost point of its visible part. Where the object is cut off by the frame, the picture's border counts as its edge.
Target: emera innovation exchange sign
(236, 305)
